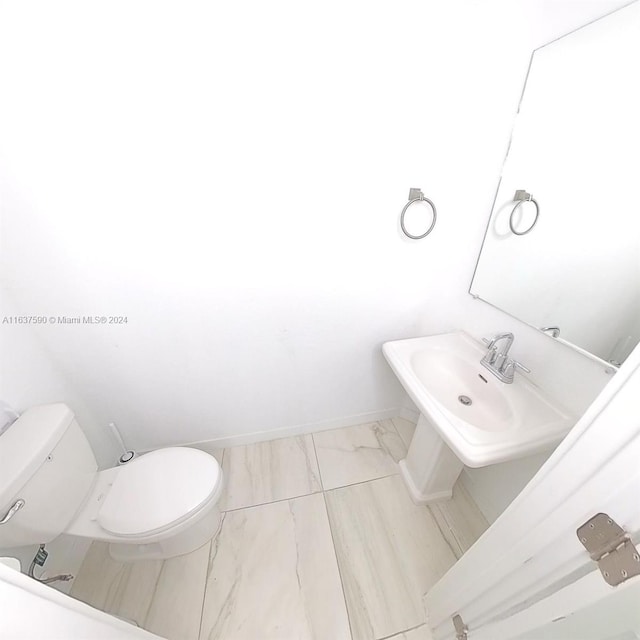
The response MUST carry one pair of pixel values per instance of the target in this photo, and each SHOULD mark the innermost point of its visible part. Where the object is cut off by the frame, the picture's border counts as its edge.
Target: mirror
(575, 148)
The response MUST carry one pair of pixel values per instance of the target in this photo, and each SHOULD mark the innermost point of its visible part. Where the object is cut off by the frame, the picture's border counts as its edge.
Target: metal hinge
(461, 628)
(610, 546)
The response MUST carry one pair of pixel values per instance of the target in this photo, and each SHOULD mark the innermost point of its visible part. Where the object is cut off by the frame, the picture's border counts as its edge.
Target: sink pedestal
(430, 469)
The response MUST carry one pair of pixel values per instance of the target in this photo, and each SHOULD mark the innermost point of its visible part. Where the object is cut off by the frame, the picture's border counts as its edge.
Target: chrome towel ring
(520, 197)
(416, 195)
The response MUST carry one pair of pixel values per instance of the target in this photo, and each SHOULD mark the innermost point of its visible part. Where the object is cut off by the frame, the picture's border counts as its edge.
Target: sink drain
(465, 400)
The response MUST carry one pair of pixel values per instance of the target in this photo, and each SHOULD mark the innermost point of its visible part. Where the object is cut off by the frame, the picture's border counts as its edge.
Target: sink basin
(482, 420)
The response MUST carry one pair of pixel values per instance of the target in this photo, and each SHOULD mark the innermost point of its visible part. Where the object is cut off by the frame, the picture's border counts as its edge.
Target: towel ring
(416, 195)
(522, 196)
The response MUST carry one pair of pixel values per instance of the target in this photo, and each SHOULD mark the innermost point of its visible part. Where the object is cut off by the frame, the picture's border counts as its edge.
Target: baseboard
(409, 414)
(298, 430)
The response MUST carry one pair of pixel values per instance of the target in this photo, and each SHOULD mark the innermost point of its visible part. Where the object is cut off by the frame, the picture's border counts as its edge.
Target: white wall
(229, 178)
(29, 377)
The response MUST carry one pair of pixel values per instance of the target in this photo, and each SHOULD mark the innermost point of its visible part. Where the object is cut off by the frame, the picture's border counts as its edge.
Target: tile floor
(319, 540)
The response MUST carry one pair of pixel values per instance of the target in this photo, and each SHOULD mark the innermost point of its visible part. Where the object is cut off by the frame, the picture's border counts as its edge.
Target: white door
(529, 577)
(33, 611)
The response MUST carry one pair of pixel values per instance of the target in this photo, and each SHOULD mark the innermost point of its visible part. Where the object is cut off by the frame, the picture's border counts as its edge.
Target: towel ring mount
(416, 195)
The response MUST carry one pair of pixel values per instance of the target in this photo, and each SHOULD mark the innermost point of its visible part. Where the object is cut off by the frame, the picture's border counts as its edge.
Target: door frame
(530, 559)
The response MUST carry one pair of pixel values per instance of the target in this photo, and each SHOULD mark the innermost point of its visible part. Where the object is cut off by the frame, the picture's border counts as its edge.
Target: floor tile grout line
(312, 493)
(405, 447)
(206, 578)
(309, 461)
(333, 541)
(404, 444)
(397, 633)
(315, 453)
(323, 488)
(155, 592)
(310, 475)
(264, 504)
(453, 528)
(331, 531)
(442, 533)
(324, 495)
(421, 624)
(354, 484)
(335, 555)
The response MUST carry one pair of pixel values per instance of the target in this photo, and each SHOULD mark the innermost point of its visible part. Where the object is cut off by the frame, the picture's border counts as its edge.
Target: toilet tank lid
(25, 446)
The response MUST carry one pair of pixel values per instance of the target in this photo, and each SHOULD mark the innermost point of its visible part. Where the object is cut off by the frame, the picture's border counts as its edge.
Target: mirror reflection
(574, 162)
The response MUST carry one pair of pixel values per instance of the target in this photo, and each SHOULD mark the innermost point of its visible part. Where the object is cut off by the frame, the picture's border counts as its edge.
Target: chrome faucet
(499, 362)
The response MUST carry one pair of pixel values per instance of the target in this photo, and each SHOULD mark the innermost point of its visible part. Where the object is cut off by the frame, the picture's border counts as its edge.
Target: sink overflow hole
(465, 400)
(482, 378)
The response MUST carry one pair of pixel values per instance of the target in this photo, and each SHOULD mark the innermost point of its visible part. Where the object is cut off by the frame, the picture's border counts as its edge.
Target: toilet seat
(162, 505)
(158, 491)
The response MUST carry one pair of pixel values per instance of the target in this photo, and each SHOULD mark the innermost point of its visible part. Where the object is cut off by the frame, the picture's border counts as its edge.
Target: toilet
(159, 505)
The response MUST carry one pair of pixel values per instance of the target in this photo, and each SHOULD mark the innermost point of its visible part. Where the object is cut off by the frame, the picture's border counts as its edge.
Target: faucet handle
(519, 365)
(513, 365)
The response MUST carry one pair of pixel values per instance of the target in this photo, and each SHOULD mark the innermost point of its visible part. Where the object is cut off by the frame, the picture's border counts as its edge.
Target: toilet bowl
(159, 505)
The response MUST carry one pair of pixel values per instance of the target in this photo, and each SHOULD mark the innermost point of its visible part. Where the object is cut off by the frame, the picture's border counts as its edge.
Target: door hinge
(460, 627)
(611, 547)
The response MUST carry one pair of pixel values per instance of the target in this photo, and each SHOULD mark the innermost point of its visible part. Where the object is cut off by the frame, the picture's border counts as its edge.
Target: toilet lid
(158, 489)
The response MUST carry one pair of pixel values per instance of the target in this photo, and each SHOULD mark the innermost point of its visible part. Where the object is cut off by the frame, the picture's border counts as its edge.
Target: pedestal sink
(467, 416)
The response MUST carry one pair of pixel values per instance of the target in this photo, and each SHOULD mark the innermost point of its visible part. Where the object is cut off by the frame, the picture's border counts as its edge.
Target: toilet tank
(45, 460)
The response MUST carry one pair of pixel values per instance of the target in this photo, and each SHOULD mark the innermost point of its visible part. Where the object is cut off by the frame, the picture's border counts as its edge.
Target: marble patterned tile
(177, 600)
(405, 429)
(357, 454)
(162, 596)
(419, 633)
(273, 575)
(122, 589)
(268, 471)
(390, 552)
(460, 520)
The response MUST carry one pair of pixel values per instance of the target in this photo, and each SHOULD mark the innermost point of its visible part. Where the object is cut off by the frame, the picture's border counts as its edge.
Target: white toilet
(161, 504)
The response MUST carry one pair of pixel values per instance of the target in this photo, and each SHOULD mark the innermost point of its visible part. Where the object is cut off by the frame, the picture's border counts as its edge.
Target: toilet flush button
(126, 457)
